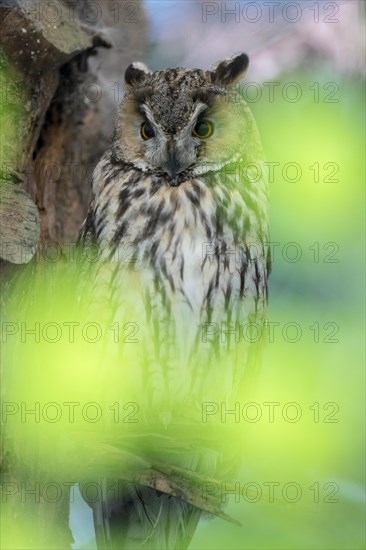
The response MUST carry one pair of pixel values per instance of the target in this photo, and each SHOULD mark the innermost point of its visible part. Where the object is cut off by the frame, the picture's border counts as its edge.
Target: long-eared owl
(182, 191)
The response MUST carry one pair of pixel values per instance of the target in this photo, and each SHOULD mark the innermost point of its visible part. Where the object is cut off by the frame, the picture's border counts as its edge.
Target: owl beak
(173, 164)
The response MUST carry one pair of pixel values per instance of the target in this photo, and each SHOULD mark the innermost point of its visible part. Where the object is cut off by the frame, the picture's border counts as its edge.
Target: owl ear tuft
(136, 73)
(229, 71)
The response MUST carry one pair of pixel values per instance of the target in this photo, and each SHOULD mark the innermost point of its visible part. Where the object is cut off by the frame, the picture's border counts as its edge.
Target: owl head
(183, 122)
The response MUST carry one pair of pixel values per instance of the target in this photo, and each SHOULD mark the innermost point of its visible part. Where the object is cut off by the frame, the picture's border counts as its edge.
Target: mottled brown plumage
(193, 210)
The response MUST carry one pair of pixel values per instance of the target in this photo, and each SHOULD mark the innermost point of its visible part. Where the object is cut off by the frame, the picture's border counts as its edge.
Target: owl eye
(203, 129)
(147, 131)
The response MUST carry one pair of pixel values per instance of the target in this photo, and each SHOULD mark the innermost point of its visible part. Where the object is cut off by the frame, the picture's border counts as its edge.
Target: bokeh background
(305, 86)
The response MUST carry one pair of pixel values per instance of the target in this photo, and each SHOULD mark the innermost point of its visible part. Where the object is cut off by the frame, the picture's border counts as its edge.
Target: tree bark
(59, 111)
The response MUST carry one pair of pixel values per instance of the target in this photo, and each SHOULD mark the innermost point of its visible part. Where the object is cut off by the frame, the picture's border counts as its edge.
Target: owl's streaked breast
(181, 234)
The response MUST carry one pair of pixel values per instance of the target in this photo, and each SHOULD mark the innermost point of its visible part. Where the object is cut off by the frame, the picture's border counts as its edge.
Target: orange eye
(203, 129)
(147, 131)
